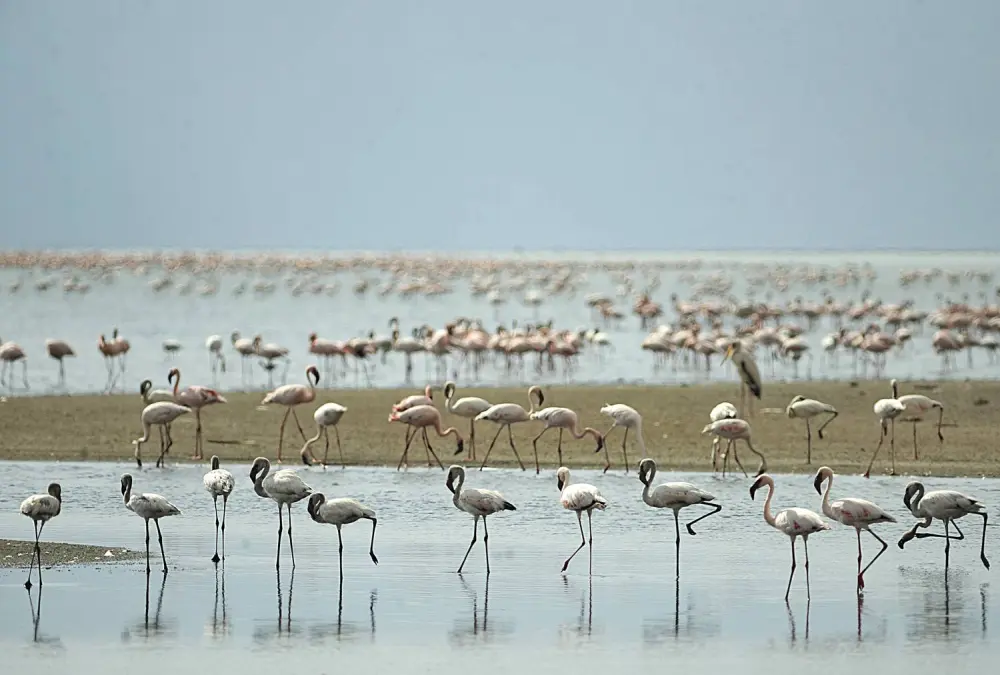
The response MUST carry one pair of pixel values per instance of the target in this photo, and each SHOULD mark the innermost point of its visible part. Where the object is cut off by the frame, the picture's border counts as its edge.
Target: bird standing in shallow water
(944, 505)
(219, 483)
(340, 512)
(285, 487)
(41, 509)
(148, 506)
(479, 504)
(580, 497)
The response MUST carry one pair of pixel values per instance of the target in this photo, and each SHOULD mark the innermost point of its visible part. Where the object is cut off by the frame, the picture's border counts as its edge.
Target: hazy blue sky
(467, 124)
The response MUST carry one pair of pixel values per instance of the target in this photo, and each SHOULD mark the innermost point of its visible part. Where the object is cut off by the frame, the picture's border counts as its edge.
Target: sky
(452, 125)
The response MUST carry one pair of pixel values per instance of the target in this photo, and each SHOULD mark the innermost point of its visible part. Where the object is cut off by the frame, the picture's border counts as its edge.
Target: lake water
(146, 317)
(413, 613)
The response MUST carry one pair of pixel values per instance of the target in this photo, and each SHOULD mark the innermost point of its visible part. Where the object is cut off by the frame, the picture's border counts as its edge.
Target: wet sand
(95, 427)
(15, 553)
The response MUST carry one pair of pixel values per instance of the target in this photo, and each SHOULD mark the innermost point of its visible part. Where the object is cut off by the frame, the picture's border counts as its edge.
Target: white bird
(628, 418)
(216, 359)
(805, 409)
(479, 504)
(148, 506)
(565, 419)
(580, 497)
(340, 512)
(793, 522)
(326, 416)
(860, 514)
(285, 487)
(723, 411)
(946, 506)
(162, 413)
(746, 367)
(920, 404)
(887, 410)
(674, 496)
(219, 483)
(469, 407)
(734, 429)
(150, 395)
(506, 414)
(41, 509)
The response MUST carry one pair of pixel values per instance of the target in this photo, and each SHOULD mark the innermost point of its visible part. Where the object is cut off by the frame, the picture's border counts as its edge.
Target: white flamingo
(219, 483)
(506, 414)
(793, 522)
(733, 430)
(920, 404)
(674, 496)
(629, 419)
(468, 407)
(565, 419)
(285, 487)
(946, 506)
(326, 416)
(580, 497)
(887, 410)
(805, 409)
(148, 506)
(477, 503)
(161, 414)
(860, 514)
(723, 411)
(41, 509)
(340, 512)
(216, 359)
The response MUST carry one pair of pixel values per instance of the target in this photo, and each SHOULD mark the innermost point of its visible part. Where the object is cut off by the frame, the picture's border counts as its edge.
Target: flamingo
(887, 410)
(921, 404)
(793, 522)
(674, 496)
(148, 506)
(479, 504)
(150, 395)
(162, 414)
(506, 414)
(580, 497)
(59, 350)
(565, 419)
(468, 407)
(421, 417)
(746, 367)
(11, 353)
(326, 416)
(734, 429)
(946, 506)
(194, 397)
(860, 514)
(807, 408)
(41, 509)
(427, 398)
(723, 411)
(285, 487)
(121, 347)
(246, 349)
(216, 359)
(219, 483)
(628, 418)
(291, 395)
(107, 350)
(340, 512)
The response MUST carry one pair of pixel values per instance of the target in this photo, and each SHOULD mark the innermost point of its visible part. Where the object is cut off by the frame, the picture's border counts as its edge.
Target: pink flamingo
(416, 399)
(291, 395)
(421, 417)
(194, 397)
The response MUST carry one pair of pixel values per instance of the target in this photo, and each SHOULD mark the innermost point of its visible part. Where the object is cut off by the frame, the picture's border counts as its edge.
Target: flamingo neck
(177, 381)
(648, 482)
(128, 493)
(768, 516)
(827, 510)
(915, 502)
(459, 484)
(258, 484)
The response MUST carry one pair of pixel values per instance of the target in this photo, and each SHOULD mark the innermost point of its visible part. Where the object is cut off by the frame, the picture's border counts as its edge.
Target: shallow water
(413, 611)
(146, 318)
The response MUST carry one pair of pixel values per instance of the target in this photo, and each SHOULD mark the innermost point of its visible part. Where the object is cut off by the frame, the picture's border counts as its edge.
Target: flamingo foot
(861, 582)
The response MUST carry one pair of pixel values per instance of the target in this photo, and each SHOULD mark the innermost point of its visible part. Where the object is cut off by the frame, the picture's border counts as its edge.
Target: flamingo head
(449, 389)
(145, 387)
(312, 374)
(316, 500)
(312, 337)
(394, 416)
(762, 479)
(174, 373)
(911, 489)
(126, 482)
(56, 491)
(821, 475)
(259, 465)
(453, 472)
(460, 446)
(646, 466)
(429, 392)
(562, 477)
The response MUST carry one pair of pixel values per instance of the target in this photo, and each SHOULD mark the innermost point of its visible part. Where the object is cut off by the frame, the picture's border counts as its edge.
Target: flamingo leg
(326, 451)
(715, 509)
(427, 445)
(510, 437)
(197, 434)
(809, 443)
(148, 570)
(340, 553)
(215, 500)
(291, 546)
(583, 541)
(875, 454)
(892, 445)
(406, 448)
(624, 449)
(159, 537)
(35, 552)
(472, 439)
(805, 545)
(296, 418)
(736, 456)
(427, 442)
(590, 548)
(534, 444)
(914, 424)
(559, 446)
(940, 422)
(677, 544)
(475, 532)
(791, 573)
(982, 550)
(490, 449)
(833, 416)
(861, 574)
(947, 547)
(486, 545)
(281, 527)
(340, 448)
(281, 431)
(225, 500)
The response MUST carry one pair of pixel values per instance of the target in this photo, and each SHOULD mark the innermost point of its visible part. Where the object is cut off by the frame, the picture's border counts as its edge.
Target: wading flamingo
(421, 417)
(340, 512)
(219, 483)
(628, 418)
(477, 503)
(468, 407)
(59, 350)
(148, 506)
(675, 496)
(41, 509)
(285, 487)
(161, 414)
(793, 522)
(887, 410)
(10, 354)
(506, 414)
(326, 416)
(946, 506)
(291, 395)
(565, 419)
(733, 429)
(194, 397)
(580, 497)
(860, 514)
(805, 409)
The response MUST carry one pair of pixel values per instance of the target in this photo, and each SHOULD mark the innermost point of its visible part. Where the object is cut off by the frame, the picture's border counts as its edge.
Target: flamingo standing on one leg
(423, 417)
(162, 414)
(194, 397)
(477, 503)
(285, 487)
(920, 404)
(580, 497)
(219, 483)
(565, 419)
(469, 407)
(41, 509)
(340, 512)
(291, 395)
(807, 408)
(793, 522)
(946, 506)
(148, 506)
(887, 410)
(860, 514)
(628, 418)
(326, 416)
(506, 414)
